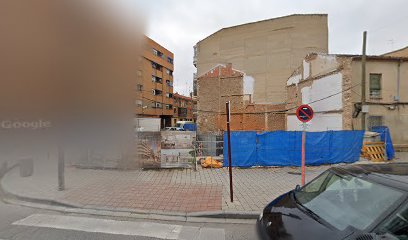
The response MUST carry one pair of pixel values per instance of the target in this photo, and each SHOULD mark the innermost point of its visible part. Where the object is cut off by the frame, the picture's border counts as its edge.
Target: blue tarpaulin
(283, 148)
(386, 138)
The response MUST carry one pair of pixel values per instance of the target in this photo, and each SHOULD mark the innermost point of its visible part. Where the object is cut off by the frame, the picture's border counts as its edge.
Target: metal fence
(210, 145)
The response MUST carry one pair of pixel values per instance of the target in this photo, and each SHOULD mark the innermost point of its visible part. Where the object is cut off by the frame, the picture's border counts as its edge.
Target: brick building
(331, 84)
(223, 83)
(154, 87)
(183, 109)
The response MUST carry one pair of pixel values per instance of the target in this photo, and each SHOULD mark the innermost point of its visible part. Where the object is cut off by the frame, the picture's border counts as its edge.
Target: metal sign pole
(303, 153)
(229, 149)
(304, 113)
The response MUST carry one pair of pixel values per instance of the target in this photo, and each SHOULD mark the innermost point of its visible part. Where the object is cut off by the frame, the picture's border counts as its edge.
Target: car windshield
(344, 200)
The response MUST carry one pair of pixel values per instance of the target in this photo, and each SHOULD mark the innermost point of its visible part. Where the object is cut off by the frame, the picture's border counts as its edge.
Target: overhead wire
(288, 109)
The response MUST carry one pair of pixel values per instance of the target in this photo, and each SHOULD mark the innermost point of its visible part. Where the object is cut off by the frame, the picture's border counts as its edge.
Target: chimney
(229, 66)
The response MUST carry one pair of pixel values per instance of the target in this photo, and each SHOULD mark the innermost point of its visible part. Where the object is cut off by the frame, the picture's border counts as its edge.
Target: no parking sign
(304, 113)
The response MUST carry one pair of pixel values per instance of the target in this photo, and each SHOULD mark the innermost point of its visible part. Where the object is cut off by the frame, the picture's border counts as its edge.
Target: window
(169, 106)
(157, 105)
(156, 92)
(170, 60)
(156, 79)
(157, 53)
(375, 85)
(375, 121)
(169, 95)
(156, 66)
(182, 112)
(139, 87)
(169, 72)
(139, 103)
(344, 200)
(169, 83)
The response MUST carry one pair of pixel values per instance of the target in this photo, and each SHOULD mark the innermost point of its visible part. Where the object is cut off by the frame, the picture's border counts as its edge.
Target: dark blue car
(360, 202)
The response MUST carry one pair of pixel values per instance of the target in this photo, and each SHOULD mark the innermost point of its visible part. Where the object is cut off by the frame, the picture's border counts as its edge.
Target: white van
(180, 124)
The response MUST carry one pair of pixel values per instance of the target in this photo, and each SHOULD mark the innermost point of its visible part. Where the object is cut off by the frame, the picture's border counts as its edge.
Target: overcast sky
(179, 24)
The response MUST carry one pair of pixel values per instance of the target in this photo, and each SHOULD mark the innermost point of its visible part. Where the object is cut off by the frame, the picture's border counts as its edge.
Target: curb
(221, 216)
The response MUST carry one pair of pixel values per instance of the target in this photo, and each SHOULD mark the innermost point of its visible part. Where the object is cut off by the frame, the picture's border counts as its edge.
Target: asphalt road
(17, 222)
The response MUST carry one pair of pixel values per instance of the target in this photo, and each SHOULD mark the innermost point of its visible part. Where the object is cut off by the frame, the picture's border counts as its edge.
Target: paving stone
(166, 190)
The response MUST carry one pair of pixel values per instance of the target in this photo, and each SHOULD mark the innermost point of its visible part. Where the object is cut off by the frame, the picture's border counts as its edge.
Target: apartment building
(266, 51)
(154, 86)
(183, 109)
(331, 84)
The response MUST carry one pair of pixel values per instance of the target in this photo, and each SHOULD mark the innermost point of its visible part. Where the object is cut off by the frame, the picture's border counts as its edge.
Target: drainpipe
(398, 81)
(363, 82)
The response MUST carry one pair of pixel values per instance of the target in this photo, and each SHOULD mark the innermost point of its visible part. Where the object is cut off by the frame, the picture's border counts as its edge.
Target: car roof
(392, 173)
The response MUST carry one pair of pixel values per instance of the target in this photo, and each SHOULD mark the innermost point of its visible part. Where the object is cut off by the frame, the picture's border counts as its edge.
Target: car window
(397, 225)
(316, 184)
(345, 200)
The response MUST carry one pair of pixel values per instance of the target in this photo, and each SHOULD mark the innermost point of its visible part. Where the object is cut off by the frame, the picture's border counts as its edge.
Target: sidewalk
(168, 191)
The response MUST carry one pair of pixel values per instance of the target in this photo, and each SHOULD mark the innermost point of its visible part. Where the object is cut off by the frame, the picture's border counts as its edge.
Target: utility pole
(363, 82)
(229, 148)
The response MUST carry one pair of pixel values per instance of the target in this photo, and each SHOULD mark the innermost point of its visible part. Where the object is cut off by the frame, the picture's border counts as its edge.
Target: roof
(396, 51)
(241, 73)
(358, 57)
(397, 172)
(176, 95)
(266, 20)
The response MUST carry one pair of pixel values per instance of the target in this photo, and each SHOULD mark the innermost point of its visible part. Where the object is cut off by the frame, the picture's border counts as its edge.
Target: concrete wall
(320, 122)
(319, 82)
(328, 112)
(341, 75)
(389, 71)
(268, 51)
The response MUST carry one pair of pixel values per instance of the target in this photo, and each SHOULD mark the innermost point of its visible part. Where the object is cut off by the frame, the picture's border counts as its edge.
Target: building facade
(332, 85)
(223, 83)
(182, 109)
(154, 86)
(267, 51)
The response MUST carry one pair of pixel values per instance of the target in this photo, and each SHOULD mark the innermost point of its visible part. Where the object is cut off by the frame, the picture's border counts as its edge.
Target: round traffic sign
(304, 113)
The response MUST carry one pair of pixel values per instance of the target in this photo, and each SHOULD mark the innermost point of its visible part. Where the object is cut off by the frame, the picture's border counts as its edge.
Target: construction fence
(283, 148)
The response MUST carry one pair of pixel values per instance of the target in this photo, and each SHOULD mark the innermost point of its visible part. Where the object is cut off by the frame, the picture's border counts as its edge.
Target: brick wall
(347, 94)
(222, 84)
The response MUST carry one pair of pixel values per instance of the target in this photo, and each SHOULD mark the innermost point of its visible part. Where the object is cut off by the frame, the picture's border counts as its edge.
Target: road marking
(196, 233)
(145, 229)
(96, 225)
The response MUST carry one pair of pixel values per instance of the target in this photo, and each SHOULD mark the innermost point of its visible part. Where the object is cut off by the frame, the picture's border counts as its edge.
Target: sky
(179, 24)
